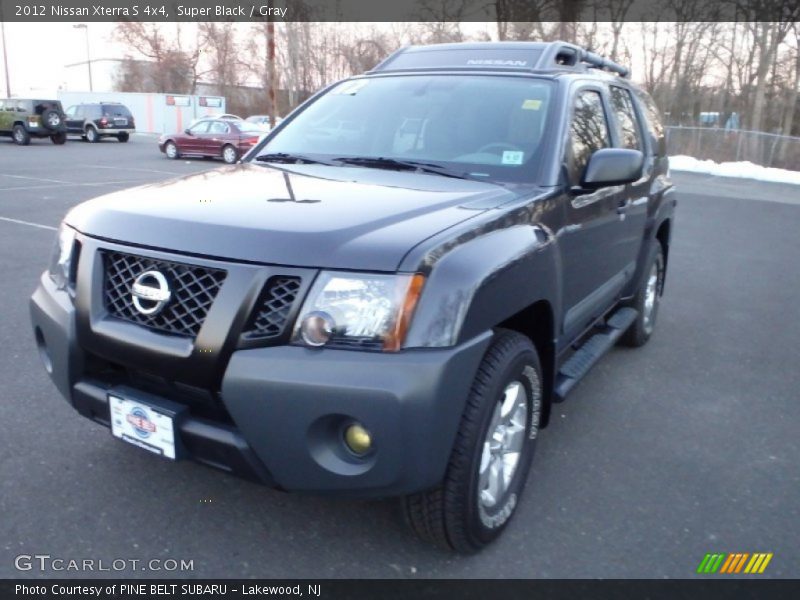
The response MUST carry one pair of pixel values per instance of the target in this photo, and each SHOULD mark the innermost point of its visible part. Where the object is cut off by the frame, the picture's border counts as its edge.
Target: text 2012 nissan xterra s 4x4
(388, 293)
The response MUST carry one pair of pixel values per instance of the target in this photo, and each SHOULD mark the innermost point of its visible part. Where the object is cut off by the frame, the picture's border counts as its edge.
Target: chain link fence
(721, 145)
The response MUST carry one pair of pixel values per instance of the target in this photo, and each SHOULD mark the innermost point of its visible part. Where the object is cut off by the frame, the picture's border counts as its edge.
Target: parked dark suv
(23, 119)
(389, 293)
(96, 121)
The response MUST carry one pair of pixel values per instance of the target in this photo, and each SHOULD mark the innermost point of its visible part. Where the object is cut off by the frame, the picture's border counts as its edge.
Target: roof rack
(564, 53)
(506, 56)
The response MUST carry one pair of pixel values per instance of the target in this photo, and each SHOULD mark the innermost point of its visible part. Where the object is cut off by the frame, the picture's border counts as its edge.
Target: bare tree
(172, 68)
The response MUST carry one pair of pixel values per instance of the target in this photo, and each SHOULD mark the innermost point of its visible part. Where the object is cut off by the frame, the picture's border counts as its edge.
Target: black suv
(95, 121)
(23, 119)
(389, 293)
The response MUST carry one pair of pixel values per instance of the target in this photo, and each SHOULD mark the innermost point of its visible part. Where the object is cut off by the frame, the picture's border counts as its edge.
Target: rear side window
(655, 127)
(588, 132)
(218, 127)
(628, 130)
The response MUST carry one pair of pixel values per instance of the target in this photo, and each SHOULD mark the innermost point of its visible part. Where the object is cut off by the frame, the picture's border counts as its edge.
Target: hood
(305, 216)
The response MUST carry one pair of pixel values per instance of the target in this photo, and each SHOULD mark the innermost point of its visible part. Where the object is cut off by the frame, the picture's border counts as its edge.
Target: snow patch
(743, 169)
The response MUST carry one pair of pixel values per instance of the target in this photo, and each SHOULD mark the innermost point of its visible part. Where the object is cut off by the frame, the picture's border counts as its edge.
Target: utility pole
(271, 70)
(85, 28)
(5, 53)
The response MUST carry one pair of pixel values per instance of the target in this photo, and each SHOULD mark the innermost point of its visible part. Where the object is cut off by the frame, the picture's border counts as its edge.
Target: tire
(20, 135)
(647, 300)
(123, 137)
(229, 154)
(171, 150)
(51, 119)
(58, 138)
(91, 135)
(462, 513)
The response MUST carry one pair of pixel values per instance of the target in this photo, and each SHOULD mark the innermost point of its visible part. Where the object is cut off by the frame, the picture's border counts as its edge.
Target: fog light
(358, 439)
(317, 328)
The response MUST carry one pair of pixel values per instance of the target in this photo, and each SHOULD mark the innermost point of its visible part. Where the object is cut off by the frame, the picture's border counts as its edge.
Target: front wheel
(492, 453)
(20, 135)
(171, 150)
(229, 154)
(647, 300)
(123, 137)
(91, 135)
(58, 138)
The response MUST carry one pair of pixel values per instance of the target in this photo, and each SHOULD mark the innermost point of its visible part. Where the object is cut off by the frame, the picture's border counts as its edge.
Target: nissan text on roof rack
(390, 290)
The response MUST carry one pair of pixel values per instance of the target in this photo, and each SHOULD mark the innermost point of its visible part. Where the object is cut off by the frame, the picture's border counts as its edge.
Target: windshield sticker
(512, 157)
(351, 88)
(532, 104)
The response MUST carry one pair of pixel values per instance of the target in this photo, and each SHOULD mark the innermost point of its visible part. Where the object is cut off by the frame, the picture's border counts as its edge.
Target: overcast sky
(37, 53)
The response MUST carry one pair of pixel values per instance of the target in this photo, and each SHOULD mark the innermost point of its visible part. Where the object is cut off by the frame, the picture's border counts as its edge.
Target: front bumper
(288, 406)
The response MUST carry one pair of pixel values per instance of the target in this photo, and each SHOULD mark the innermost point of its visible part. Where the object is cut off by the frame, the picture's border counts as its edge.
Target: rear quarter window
(116, 110)
(653, 122)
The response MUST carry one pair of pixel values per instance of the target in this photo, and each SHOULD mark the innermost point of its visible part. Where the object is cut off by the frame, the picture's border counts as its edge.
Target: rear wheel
(123, 137)
(491, 455)
(171, 150)
(647, 300)
(92, 135)
(229, 154)
(58, 138)
(20, 135)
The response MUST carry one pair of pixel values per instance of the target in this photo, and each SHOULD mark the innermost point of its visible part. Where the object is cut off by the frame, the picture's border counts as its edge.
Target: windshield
(479, 126)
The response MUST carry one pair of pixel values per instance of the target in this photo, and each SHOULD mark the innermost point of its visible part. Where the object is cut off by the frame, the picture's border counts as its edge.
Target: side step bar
(591, 351)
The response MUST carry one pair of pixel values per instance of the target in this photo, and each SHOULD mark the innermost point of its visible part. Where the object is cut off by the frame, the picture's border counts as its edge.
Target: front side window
(627, 127)
(488, 127)
(200, 127)
(588, 132)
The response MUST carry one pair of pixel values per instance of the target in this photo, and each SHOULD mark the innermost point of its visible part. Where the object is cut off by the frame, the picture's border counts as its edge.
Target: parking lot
(687, 446)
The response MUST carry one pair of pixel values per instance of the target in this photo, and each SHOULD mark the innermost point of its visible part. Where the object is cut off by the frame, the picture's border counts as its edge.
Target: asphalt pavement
(661, 455)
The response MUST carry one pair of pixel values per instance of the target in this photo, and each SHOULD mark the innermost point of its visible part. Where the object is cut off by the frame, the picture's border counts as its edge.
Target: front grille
(272, 310)
(193, 291)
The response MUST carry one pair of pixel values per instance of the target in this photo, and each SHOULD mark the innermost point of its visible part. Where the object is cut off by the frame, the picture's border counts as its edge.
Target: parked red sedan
(217, 138)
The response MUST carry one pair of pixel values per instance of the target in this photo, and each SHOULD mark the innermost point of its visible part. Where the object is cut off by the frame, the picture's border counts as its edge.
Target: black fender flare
(483, 281)
(665, 211)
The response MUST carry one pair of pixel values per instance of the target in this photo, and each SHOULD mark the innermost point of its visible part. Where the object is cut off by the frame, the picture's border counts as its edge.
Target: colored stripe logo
(736, 562)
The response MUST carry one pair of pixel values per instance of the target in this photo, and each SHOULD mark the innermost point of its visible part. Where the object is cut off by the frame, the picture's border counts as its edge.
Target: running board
(585, 357)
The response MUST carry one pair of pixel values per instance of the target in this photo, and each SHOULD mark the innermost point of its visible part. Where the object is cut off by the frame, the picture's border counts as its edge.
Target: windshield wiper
(286, 157)
(381, 162)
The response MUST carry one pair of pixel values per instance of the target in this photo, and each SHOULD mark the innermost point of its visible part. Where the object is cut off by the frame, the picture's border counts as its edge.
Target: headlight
(358, 311)
(61, 261)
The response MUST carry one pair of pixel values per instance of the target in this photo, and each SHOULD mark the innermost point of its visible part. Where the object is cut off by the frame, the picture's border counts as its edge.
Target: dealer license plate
(142, 425)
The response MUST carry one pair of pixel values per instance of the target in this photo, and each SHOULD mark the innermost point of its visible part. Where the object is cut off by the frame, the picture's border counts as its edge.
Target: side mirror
(187, 131)
(612, 166)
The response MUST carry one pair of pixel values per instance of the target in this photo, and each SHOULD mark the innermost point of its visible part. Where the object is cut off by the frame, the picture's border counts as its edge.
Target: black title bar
(607, 589)
(397, 10)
